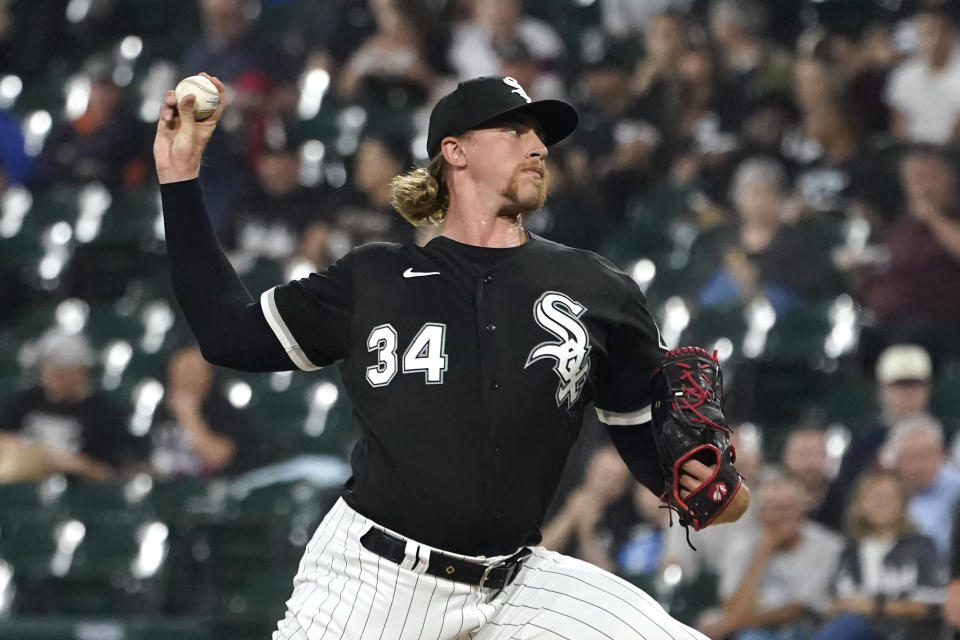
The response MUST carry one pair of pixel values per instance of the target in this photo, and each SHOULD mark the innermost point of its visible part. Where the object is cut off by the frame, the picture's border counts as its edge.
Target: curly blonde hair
(421, 195)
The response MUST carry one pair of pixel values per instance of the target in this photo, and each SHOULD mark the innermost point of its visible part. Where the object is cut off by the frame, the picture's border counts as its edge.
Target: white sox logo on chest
(560, 315)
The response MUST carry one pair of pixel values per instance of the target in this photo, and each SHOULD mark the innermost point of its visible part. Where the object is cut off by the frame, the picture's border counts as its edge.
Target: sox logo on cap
(517, 89)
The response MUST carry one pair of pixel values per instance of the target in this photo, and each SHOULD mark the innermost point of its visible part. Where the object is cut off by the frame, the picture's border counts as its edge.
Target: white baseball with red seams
(207, 96)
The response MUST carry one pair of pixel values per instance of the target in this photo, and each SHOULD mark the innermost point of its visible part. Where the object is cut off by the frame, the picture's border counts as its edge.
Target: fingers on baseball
(222, 90)
(168, 112)
(187, 103)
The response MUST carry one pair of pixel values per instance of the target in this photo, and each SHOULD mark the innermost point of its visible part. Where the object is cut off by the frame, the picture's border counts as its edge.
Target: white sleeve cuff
(269, 306)
(615, 419)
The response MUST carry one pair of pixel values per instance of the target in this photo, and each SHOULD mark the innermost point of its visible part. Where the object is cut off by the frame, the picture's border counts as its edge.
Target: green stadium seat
(257, 595)
(23, 504)
(707, 325)
(179, 502)
(30, 542)
(99, 501)
(64, 627)
(800, 334)
(37, 628)
(692, 598)
(945, 403)
(154, 628)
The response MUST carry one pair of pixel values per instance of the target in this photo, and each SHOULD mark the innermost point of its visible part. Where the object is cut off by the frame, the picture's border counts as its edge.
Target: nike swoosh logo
(410, 273)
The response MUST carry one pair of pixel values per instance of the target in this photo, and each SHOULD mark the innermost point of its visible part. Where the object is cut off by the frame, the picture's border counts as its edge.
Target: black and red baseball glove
(687, 391)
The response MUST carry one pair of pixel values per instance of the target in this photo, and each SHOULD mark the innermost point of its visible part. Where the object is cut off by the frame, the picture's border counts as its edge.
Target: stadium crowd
(779, 176)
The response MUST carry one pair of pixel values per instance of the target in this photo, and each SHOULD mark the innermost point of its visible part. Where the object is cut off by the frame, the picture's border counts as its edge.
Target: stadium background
(329, 99)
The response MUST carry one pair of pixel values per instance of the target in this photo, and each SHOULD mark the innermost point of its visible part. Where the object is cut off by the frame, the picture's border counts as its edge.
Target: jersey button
(491, 327)
(494, 385)
(496, 448)
(487, 279)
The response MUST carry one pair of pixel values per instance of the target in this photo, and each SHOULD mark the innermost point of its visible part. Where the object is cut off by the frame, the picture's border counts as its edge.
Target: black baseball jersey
(469, 369)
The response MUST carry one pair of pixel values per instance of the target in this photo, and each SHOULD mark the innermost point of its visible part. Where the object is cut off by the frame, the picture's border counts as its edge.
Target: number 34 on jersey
(425, 354)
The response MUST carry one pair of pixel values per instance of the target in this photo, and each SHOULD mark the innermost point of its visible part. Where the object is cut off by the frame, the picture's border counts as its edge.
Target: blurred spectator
(229, 45)
(614, 133)
(867, 65)
(563, 218)
(753, 66)
(840, 172)
(622, 18)
(924, 91)
(76, 428)
(913, 295)
(698, 141)
(916, 447)
(392, 60)
(889, 579)
(107, 143)
(661, 80)
(519, 63)
(262, 79)
(664, 45)
(904, 376)
(278, 207)
(640, 553)
(951, 607)
(774, 584)
(597, 515)
(767, 124)
(366, 213)
(314, 247)
(805, 458)
(762, 255)
(698, 118)
(15, 164)
(814, 82)
(331, 30)
(197, 432)
(473, 46)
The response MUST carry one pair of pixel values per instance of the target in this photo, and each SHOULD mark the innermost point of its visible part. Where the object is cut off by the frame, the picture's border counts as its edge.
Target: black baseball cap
(480, 100)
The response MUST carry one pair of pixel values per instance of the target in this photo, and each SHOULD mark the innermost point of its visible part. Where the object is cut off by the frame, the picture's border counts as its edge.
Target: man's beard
(512, 191)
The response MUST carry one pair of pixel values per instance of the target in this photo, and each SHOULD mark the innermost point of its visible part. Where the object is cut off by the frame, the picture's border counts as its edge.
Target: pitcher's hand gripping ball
(689, 425)
(207, 96)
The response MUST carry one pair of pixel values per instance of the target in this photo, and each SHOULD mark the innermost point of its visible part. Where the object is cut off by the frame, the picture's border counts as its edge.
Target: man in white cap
(904, 375)
(75, 429)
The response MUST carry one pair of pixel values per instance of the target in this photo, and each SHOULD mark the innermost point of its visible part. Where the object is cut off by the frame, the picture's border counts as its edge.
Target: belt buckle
(513, 560)
(487, 570)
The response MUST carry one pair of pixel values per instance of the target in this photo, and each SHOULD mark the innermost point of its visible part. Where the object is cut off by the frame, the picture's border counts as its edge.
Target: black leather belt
(493, 576)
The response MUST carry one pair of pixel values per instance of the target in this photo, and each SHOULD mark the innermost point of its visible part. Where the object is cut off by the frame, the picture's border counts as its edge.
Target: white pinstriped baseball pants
(342, 590)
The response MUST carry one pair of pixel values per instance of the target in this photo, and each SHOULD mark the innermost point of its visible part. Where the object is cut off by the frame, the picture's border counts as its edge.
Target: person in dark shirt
(365, 212)
(79, 432)
(105, 143)
(916, 289)
(579, 527)
(277, 207)
(197, 432)
(230, 45)
(763, 254)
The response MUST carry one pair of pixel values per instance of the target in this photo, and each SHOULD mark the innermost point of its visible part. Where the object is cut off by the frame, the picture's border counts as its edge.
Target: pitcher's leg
(344, 591)
(555, 596)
